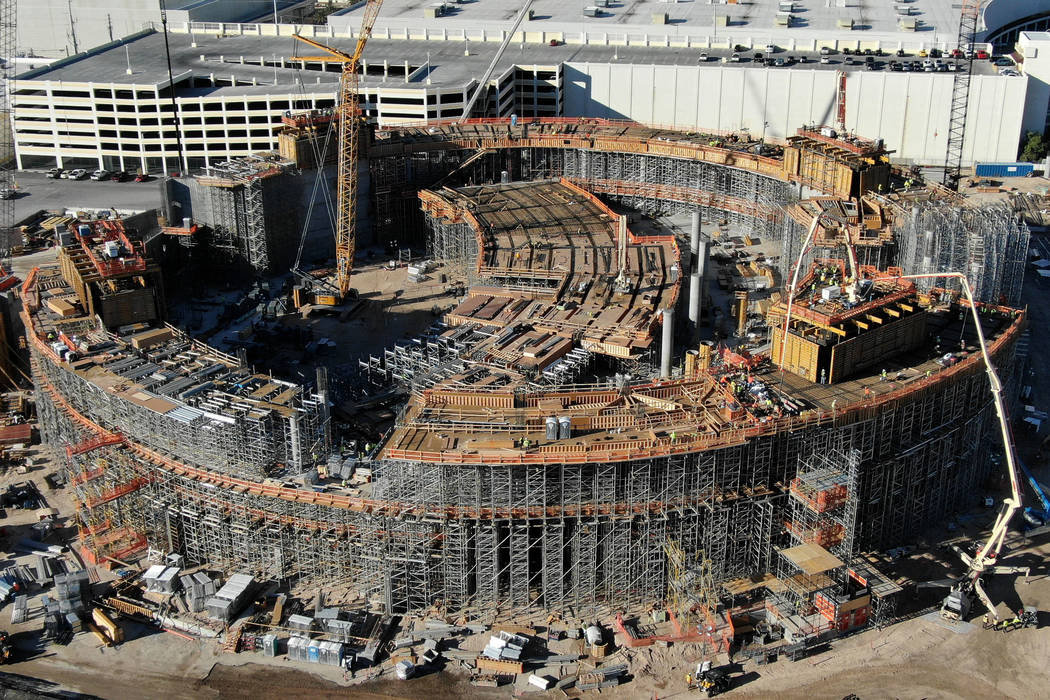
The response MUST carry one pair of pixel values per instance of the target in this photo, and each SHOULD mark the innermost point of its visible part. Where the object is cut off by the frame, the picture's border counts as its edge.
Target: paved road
(37, 192)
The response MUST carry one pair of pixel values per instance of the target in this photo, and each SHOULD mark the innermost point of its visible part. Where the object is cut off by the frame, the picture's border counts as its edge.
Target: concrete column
(697, 262)
(668, 344)
(694, 306)
(694, 239)
(701, 272)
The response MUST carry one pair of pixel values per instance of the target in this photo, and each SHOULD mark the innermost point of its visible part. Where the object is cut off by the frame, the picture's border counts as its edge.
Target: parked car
(100, 175)
(900, 53)
(78, 174)
(703, 57)
(119, 176)
(759, 57)
(958, 53)
(55, 173)
(771, 48)
(780, 63)
(1009, 73)
(1004, 62)
(935, 53)
(825, 59)
(982, 55)
(735, 58)
(7, 193)
(142, 177)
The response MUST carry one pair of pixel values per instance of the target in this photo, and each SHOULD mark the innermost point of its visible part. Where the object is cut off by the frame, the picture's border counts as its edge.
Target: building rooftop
(938, 20)
(261, 71)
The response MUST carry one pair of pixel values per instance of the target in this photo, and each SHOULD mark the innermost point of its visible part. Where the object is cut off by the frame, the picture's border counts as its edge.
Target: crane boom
(349, 135)
(483, 82)
(985, 559)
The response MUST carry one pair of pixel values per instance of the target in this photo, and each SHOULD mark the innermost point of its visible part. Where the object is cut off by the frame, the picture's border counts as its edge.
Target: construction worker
(673, 437)
(867, 392)
(929, 373)
(525, 443)
(688, 679)
(883, 375)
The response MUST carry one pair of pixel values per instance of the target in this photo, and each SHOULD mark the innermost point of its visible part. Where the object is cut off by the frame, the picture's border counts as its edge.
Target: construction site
(576, 404)
(574, 436)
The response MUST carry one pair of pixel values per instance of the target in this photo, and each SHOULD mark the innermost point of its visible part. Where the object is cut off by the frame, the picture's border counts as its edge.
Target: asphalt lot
(36, 192)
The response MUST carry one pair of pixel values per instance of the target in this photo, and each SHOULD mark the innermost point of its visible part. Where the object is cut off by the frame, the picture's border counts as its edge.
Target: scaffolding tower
(988, 243)
(251, 206)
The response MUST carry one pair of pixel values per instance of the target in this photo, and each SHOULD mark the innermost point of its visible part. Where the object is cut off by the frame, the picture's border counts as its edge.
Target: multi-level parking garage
(112, 106)
(499, 486)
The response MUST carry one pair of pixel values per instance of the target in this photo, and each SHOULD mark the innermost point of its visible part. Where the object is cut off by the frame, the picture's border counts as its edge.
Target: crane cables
(319, 153)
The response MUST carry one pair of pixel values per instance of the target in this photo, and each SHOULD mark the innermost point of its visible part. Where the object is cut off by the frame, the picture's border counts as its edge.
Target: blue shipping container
(1003, 169)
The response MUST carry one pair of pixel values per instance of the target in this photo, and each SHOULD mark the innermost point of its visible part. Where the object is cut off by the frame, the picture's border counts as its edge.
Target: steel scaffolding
(988, 243)
(654, 184)
(251, 206)
(566, 546)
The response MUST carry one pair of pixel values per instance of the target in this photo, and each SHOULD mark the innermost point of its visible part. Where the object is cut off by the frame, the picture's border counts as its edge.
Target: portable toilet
(270, 645)
(404, 669)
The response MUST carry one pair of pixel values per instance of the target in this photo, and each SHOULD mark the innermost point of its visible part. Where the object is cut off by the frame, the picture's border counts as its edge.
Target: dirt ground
(1005, 186)
(919, 658)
